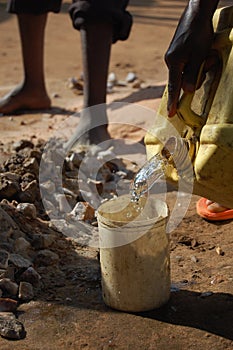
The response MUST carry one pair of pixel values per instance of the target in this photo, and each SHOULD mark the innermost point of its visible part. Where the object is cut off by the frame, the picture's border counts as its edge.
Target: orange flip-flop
(203, 211)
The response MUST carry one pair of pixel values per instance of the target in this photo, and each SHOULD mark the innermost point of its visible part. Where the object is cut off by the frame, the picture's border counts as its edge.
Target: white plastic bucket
(134, 254)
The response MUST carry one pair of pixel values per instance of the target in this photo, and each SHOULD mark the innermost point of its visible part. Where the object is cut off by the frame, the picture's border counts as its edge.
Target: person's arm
(188, 49)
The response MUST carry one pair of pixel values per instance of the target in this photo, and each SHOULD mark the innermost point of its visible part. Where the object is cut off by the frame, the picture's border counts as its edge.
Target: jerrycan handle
(184, 110)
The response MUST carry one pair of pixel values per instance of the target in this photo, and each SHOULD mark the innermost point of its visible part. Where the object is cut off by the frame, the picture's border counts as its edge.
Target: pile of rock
(24, 248)
(37, 203)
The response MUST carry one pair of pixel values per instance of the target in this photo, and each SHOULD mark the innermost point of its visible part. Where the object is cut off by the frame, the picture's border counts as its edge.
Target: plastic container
(134, 254)
(205, 120)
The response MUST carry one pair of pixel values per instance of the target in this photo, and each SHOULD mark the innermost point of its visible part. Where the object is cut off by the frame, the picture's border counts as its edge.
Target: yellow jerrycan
(205, 121)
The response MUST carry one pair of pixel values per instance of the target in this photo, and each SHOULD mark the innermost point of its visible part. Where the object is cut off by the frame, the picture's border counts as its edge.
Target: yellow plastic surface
(206, 120)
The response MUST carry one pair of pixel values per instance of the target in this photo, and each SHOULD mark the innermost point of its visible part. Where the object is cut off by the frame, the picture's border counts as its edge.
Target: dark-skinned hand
(188, 50)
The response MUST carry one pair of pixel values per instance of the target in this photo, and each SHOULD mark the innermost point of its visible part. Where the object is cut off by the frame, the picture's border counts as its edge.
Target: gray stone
(46, 258)
(38, 242)
(4, 257)
(27, 177)
(82, 211)
(10, 327)
(2, 273)
(6, 245)
(26, 291)
(8, 189)
(22, 246)
(9, 287)
(48, 239)
(31, 276)
(131, 77)
(18, 261)
(112, 78)
(28, 209)
(8, 273)
(77, 158)
(7, 223)
(19, 145)
(15, 234)
(8, 305)
(194, 259)
(11, 176)
(29, 193)
(31, 165)
(43, 241)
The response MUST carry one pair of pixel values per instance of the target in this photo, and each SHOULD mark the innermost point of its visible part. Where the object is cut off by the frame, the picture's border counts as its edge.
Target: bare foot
(95, 136)
(92, 137)
(23, 98)
(92, 128)
(215, 207)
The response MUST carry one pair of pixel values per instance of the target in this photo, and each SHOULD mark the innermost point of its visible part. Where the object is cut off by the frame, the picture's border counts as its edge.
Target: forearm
(189, 48)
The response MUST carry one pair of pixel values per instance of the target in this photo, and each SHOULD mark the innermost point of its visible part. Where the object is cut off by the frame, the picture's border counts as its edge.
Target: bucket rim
(161, 207)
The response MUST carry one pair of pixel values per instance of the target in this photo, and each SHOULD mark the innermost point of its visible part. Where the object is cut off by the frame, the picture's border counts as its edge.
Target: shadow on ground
(213, 314)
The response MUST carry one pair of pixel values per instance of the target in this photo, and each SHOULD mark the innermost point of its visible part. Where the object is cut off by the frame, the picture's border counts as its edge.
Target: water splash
(147, 176)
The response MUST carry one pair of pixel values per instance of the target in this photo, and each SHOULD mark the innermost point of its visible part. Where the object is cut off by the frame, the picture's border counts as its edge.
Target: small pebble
(31, 276)
(22, 245)
(8, 305)
(4, 257)
(27, 209)
(179, 258)
(131, 77)
(194, 259)
(137, 84)
(10, 327)
(217, 279)
(83, 211)
(9, 287)
(55, 95)
(46, 258)
(112, 78)
(18, 261)
(26, 291)
(19, 145)
(219, 251)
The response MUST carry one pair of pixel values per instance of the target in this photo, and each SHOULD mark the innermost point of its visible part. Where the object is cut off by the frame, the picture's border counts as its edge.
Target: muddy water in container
(134, 253)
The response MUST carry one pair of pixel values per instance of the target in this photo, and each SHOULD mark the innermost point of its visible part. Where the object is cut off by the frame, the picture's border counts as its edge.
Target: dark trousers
(82, 12)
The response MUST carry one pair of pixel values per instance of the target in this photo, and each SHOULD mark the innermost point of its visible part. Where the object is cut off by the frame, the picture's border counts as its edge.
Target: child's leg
(31, 93)
(96, 41)
(101, 22)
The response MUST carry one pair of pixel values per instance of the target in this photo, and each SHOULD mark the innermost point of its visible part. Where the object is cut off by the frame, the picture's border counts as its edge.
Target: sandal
(205, 213)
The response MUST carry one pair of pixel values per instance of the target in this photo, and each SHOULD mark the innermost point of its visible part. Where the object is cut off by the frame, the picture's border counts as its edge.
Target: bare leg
(96, 47)
(31, 93)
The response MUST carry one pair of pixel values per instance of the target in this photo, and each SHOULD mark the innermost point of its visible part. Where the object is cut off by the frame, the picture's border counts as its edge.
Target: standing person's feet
(94, 136)
(213, 211)
(215, 207)
(22, 98)
(92, 128)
